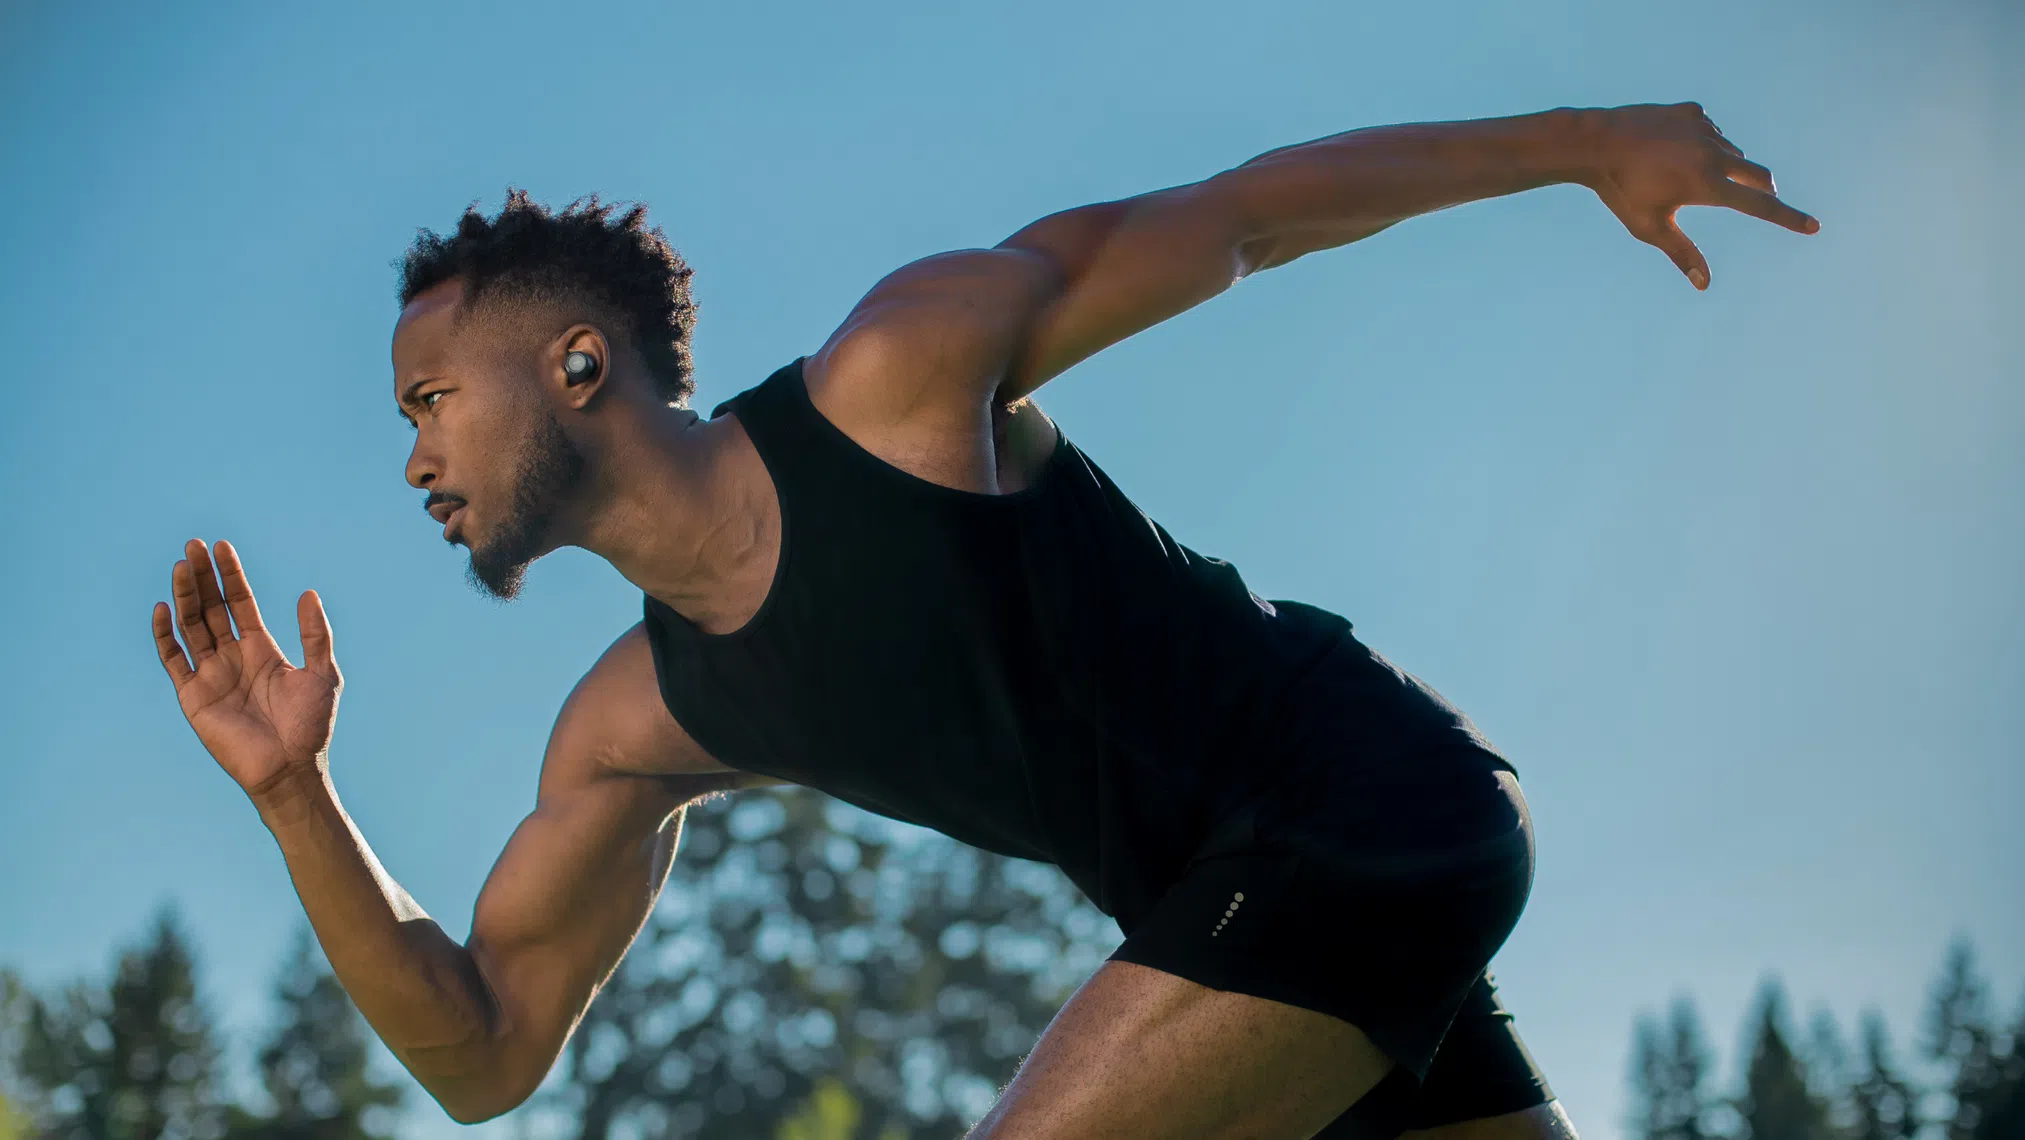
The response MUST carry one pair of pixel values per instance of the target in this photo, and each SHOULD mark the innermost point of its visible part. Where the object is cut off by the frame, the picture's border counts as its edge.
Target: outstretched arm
(1124, 266)
(1072, 283)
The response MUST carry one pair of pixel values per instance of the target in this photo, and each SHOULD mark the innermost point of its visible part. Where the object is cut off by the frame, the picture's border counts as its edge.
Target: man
(884, 573)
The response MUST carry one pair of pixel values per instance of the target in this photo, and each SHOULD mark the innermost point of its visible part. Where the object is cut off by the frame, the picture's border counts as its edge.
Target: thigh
(1137, 1052)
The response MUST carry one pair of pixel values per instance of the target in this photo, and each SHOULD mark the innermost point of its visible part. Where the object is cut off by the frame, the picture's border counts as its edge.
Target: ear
(578, 390)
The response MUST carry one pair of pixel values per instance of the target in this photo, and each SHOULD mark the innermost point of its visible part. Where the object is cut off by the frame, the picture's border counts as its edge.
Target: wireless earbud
(580, 365)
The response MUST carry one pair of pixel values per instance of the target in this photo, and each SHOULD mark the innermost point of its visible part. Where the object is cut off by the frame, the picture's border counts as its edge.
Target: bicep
(1124, 267)
(580, 875)
(939, 335)
(565, 899)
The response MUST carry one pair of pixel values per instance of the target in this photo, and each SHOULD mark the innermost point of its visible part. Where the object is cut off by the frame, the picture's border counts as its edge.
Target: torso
(944, 612)
(977, 631)
(1002, 458)
(965, 444)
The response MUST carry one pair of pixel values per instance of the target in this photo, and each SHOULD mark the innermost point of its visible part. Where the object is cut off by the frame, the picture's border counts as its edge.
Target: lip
(450, 522)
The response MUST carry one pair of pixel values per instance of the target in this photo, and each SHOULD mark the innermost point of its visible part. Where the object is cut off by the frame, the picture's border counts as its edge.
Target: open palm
(256, 713)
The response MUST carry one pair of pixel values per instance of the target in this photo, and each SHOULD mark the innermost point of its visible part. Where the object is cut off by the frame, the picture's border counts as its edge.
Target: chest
(1002, 454)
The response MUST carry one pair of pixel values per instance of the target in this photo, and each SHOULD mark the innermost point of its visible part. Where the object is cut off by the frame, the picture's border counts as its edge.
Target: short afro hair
(584, 252)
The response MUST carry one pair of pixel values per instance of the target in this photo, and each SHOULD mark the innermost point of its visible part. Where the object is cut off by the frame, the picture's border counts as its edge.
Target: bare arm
(480, 1024)
(1127, 265)
(1072, 283)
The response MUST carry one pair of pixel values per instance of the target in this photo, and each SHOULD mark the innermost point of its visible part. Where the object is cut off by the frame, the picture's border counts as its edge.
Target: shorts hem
(1487, 1101)
(1408, 1057)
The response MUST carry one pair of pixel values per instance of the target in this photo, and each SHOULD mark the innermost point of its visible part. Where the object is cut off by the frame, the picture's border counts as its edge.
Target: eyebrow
(407, 397)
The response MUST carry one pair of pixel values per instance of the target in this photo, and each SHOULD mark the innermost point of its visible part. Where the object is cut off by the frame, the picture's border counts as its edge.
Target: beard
(547, 470)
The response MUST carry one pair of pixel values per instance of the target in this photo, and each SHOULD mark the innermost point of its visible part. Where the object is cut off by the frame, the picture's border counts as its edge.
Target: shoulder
(615, 724)
(936, 333)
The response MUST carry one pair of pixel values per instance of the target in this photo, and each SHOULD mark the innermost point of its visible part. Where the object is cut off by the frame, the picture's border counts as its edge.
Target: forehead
(424, 335)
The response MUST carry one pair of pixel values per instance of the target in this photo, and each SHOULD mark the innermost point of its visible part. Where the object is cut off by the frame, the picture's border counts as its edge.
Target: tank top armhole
(660, 620)
(792, 399)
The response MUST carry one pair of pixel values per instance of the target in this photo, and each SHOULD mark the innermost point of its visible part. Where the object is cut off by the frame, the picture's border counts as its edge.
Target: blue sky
(1734, 577)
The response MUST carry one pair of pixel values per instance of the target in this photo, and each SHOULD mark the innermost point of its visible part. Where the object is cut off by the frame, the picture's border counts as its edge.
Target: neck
(686, 514)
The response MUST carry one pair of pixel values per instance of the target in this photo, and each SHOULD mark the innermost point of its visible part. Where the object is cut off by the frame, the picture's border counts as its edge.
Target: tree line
(814, 972)
(1815, 1086)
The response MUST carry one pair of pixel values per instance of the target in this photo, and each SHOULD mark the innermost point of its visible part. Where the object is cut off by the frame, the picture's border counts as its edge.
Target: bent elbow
(472, 1086)
(476, 1106)
(473, 1114)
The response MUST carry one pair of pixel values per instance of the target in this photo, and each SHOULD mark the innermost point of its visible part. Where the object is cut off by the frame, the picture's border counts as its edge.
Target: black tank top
(1045, 674)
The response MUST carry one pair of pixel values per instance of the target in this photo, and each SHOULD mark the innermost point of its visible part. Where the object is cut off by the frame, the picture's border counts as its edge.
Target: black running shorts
(1372, 880)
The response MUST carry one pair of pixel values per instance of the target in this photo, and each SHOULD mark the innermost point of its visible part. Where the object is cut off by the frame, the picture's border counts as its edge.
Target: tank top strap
(788, 431)
(815, 467)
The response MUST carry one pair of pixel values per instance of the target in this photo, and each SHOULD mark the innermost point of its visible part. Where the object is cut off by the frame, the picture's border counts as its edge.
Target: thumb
(1667, 235)
(317, 656)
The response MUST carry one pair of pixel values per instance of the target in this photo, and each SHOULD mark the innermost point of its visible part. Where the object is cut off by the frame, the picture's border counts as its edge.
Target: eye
(428, 397)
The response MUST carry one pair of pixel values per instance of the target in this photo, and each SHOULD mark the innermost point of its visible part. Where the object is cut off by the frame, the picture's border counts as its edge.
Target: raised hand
(1649, 160)
(259, 716)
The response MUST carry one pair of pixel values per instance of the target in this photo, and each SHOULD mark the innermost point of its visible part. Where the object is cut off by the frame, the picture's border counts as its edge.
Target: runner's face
(489, 450)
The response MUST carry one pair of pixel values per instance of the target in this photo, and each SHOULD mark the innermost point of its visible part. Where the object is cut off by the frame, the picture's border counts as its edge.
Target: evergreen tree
(1670, 1069)
(1962, 1038)
(131, 1061)
(1826, 1065)
(1777, 1103)
(816, 971)
(2001, 1108)
(314, 1065)
(1886, 1103)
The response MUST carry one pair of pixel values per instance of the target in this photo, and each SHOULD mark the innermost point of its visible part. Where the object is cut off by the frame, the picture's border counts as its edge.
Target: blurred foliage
(1884, 1104)
(830, 1113)
(813, 972)
(1777, 1103)
(13, 1123)
(1985, 1061)
(313, 1066)
(135, 1057)
(1671, 1063)
(15, 1117)
(129, 1060)
(816, 971)
(1975, 1091)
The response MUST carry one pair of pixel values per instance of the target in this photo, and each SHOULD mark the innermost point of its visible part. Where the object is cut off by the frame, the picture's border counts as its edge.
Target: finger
(168, 648)
(190, 611)
(216, 618)
(1716, 134)
(1741, 169)
(317, 655)
(1762, 204)
(238, 592)
(1668, 237)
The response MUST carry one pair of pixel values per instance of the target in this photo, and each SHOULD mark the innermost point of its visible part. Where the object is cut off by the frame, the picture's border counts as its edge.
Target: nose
(423, 468)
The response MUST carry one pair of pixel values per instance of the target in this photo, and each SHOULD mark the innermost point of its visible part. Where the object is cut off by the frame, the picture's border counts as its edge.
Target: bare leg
(1137, 1053)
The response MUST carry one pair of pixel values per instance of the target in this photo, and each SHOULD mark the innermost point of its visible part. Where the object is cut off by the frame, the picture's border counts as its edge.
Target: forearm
(1116, 268)
(419, 990)
(1335, 190)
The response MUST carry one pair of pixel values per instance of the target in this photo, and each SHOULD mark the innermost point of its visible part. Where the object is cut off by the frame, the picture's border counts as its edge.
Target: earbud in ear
(580, 365)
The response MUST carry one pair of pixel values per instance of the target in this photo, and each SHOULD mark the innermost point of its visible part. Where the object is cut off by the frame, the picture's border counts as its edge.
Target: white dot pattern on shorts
(1236, 898)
